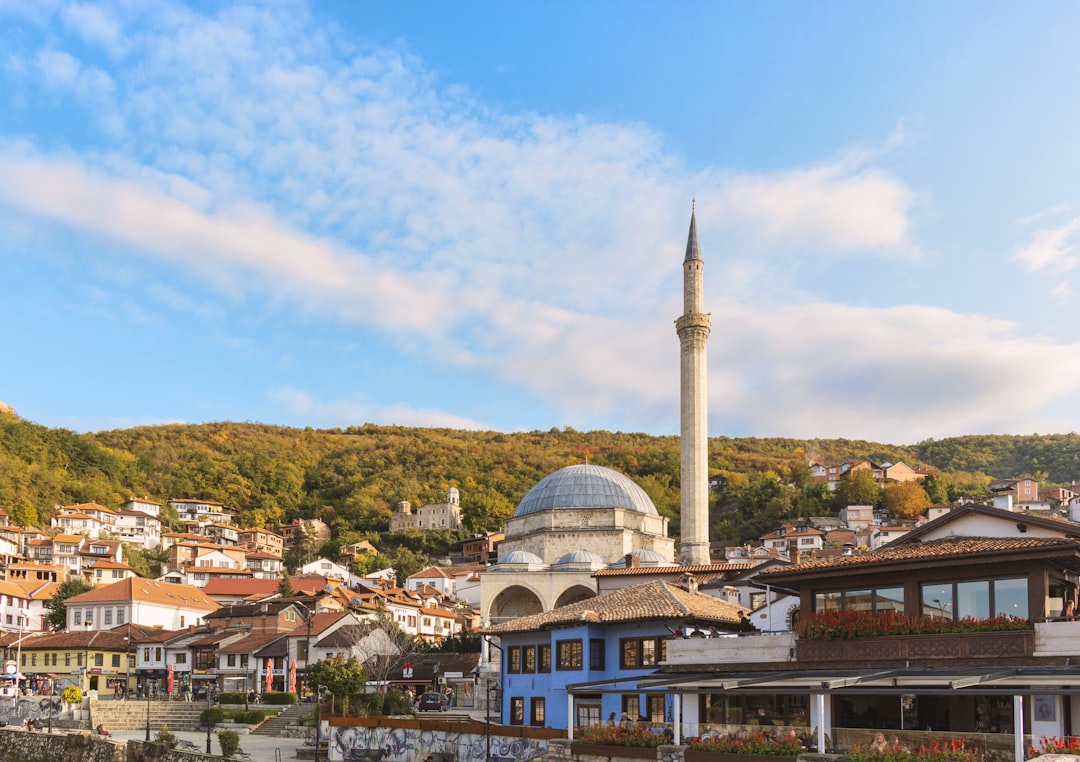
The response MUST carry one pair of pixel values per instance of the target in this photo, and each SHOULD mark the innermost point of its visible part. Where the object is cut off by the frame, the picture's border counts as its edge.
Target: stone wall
(17, 745)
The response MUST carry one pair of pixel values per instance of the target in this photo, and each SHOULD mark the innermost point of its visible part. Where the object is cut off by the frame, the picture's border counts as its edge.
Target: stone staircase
(279, 726)
(131, 715)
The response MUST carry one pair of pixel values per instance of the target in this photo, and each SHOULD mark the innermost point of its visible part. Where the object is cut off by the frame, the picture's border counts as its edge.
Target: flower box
(727, 756)
(920, 648)
(614, 751)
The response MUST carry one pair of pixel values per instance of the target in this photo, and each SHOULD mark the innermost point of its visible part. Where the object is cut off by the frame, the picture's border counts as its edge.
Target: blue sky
(474, 214)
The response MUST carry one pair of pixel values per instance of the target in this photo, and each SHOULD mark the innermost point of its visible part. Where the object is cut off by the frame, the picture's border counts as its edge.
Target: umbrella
(292, 676)
(169, 680)
(269, 676)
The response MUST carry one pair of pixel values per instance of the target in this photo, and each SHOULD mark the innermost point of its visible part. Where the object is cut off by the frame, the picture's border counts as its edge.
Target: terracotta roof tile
(922, 551)
(650, 601)
(139, 589)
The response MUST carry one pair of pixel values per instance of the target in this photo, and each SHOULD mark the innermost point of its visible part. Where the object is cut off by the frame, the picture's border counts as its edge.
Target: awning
(1013, 681)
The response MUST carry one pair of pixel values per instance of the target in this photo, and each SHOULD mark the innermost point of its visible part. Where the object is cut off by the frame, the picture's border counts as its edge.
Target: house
(600, 642)
(262, 540)
(230, 592)
(349, 553)
(138, 528)
(316, 529)
(1002, 686)
(142, 505)
(95, 660)
(263, 565)
(883, 535)
(15, 615)
(326, 568)
(202, 510)
(1021, 490)
(794, 541)
(482, 548)
(143, 602)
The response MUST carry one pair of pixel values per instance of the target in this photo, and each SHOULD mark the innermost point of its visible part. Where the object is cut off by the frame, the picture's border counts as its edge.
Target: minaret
(693, 329)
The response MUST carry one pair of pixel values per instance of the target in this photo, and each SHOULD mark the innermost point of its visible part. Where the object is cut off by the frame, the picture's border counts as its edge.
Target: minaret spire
(693, 330)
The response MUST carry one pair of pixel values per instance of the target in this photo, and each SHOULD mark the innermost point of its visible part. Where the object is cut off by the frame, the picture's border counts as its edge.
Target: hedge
(278, 697)
(232, 697)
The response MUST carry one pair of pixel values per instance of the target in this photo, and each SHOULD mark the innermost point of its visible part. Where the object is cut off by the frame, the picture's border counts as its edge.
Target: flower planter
(922, 648)
(626, 752)
(727, 756)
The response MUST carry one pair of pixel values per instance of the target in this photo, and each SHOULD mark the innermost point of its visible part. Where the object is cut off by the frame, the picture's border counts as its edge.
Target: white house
(143, 602)
(326, 568)
(138, 528)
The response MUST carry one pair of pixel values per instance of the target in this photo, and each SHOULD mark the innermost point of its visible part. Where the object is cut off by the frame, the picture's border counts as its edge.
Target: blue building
(623, 634)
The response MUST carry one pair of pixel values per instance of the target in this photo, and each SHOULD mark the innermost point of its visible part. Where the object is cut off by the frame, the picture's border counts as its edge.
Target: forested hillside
(353, 478)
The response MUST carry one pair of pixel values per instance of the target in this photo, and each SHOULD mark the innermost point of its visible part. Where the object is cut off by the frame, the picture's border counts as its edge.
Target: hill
(352, 478)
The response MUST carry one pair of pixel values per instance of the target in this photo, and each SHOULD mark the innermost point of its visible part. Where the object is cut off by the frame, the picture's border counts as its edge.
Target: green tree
(56, 606)
(285, 589)
(345, 679)
(858, 488)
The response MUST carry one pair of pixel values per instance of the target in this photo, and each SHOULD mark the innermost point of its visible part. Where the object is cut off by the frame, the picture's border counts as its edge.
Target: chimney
(632, 561)
(690, 583)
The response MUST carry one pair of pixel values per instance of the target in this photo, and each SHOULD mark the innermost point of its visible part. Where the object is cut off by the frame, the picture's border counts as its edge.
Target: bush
(396, 702)
(756, 743)
(230, 742)
(232, 697)
(166, 739)
(213, 715)
(250, 717)
(614, 736)
(944, 751)
(279, 697)
(71, 695)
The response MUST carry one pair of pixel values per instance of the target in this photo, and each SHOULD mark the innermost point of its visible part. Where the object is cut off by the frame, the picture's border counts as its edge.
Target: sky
(473, 215)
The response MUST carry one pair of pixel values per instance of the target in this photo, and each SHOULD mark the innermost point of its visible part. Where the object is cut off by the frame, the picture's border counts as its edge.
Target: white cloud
(94, 23)
(356, 411)
(1053, 249)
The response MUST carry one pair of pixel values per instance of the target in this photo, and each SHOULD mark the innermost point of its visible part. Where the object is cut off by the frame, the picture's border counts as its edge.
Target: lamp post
(208, 719)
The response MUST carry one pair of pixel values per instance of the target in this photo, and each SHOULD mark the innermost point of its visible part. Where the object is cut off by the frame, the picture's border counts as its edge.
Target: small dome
(648, 557)
(580, 557)
(521, 557)
(585, 486)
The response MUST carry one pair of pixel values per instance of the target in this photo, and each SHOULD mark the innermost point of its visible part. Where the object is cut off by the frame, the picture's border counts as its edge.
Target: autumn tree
(344, 679)
(906, 500)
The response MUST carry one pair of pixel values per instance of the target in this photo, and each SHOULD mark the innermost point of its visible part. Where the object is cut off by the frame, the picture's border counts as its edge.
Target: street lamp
(208, 720)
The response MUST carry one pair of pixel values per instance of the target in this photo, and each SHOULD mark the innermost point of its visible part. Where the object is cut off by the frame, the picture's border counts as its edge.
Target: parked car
(431, 702)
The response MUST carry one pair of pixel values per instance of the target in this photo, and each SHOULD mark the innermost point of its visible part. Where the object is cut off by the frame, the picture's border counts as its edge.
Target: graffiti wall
(409, 744)
(18, 711)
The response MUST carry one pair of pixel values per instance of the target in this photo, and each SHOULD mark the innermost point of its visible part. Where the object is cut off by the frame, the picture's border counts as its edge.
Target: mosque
(584, 518)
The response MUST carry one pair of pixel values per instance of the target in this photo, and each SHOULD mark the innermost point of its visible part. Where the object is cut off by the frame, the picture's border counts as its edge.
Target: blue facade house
(601, 640)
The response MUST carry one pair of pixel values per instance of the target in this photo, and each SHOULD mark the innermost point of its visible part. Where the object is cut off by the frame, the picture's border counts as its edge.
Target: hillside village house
(138, 528)
(202, 510)
(143, 602)
(997, 689)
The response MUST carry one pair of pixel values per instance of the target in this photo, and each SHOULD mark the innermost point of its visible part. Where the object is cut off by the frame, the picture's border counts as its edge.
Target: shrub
(71, 695)
(755, 743)
(842, 625)
(944, 751)
(232, 697)
(279, 697)
(213, 715)
(615, 736)
(250, 717)
(396, 702)
(230, 742)
(166, 739)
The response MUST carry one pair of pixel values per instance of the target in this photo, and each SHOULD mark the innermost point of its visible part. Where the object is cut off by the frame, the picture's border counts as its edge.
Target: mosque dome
(580, 557)
(585, 486)
(521, 557)
(648, 558)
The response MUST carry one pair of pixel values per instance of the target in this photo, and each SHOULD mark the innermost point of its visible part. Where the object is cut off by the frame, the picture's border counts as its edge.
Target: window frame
(517, 710)
(569, 656)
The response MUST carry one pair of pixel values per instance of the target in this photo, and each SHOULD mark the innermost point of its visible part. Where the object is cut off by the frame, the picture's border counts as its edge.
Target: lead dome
(585, 486)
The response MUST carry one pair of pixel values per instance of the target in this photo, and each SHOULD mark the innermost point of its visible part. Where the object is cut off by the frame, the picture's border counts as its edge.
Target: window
(517, 710)
(977, 598)
(146, 654)
(879, 600)
(78, 617)
(181, 657)
(78, 659)
(513, 659)
(543, 658)
(99, 660)
(656, 709)
(587, 711)
(635, 653)
(120, 616)
(596, 654)
(302, 650)
(157, 654)
(67, 659)
(528, 659)
(116, 660)
(631, 707)
(108, 616)
(243, 661)
(24, 660)
(536, 712)
(231, 660)
(33, 660)
(568, 654)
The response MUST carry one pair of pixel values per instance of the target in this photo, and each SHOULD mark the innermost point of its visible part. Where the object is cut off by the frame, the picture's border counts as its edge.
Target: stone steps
(131, 715)
(279, 726)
